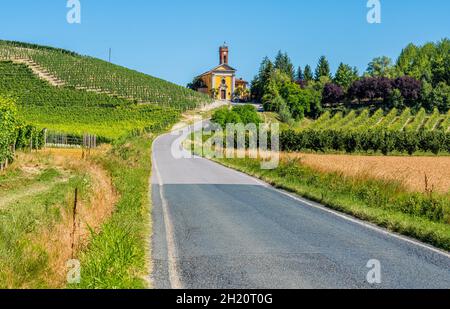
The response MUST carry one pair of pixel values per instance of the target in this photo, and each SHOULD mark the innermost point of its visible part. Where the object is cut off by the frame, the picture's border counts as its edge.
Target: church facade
(221, 82)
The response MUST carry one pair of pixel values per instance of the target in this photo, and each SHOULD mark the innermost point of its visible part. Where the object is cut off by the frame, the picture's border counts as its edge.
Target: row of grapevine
(358, 121)
(371, 122)
(433, 121)
(418, 121)
(93, 74)
(401, 122)
(73, 111)
(14, 134)
(392, 121)
(388, 120)
(446, 123)
(322, 120)
(377, 132)
(384, 141)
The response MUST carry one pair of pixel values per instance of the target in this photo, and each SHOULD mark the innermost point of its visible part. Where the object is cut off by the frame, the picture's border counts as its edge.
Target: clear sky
(178, 39)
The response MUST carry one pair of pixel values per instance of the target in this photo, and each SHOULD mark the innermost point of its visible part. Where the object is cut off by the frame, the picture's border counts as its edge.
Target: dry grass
(410, 171)
(92, 212)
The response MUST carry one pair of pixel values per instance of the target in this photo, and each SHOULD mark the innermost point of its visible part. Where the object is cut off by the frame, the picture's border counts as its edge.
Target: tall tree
(300, 75)
(308, 75)
(261, 81)
(323, 69)
(284, 64)
(407, 58)
(345, 75)
(381, 67)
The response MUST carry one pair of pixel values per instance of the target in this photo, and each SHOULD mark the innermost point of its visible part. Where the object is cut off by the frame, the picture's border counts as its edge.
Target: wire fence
(64, 140)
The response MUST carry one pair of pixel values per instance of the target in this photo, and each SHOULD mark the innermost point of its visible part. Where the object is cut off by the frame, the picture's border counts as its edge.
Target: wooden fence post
(74, 222)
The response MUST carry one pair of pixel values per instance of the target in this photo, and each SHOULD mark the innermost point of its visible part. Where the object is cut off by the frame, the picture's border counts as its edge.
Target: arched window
(224, 82)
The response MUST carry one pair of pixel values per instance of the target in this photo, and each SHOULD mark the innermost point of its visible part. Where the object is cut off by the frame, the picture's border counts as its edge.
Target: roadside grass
(424, 216)
(37, 235)
(24, 261)
(117, 257)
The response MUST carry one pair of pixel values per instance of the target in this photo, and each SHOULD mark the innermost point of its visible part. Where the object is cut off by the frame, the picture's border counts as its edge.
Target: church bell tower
(223, 53)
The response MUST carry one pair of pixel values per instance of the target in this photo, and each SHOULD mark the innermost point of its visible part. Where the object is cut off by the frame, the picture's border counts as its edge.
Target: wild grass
(25, 263)
(117, 257)
(36, 218)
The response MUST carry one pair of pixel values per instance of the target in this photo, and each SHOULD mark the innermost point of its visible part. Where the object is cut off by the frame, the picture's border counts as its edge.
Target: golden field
(413, 172)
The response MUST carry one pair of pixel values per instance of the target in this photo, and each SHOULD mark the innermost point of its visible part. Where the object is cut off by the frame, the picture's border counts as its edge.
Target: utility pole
(109, 55)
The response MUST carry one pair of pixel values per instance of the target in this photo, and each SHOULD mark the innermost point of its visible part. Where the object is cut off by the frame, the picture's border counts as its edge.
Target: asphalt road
(218, 228)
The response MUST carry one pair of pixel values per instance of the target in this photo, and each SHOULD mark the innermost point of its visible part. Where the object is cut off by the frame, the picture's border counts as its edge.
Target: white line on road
(342, 215)
(359, 222)
(174, 277)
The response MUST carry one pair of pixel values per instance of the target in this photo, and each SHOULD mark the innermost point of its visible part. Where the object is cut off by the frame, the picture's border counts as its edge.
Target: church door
(223, 94)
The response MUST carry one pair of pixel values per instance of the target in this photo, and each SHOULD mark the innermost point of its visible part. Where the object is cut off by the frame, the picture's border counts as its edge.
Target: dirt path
(29, 191)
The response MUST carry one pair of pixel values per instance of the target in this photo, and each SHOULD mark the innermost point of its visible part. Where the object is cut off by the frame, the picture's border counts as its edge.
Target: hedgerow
(374, 140)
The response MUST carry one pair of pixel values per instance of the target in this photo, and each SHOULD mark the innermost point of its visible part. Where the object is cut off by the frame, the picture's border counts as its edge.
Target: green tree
(345, 75)
(323, 69)
(261, 81)
(441, 97)
(196, 84)
(272, 89)
(300, 75)
(247, 113)
(308, 74)
(406, 59)
(381, 67)
(284, 64)
(440, 63)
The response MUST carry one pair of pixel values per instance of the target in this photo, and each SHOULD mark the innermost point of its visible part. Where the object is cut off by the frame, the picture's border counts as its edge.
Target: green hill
(79, 94)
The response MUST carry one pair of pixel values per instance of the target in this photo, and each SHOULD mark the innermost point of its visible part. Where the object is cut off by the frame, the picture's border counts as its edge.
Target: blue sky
(177, 39)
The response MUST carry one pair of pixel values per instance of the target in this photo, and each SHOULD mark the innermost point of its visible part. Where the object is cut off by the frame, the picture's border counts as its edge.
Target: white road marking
(354, 220)
(174, 277)
(342, 215)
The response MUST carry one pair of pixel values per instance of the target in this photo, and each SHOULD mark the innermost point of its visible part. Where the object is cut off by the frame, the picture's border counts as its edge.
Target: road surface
(218, 228)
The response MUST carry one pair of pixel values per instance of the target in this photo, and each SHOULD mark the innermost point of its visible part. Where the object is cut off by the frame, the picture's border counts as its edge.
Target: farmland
(73, 70)
(393, 120)
(418, 173)
(393, 132)
(72, 111)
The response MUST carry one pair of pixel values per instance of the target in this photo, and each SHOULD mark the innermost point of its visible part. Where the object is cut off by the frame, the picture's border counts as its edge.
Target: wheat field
(416, 173)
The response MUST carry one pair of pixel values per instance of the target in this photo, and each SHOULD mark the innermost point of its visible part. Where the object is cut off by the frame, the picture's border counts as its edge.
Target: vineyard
(396, 131)
(68, 110)
(86, 73)
(392, 121)
(14, 134)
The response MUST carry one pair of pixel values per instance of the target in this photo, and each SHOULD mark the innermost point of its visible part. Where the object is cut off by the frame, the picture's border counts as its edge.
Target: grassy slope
(77, 112)
(24, 258)
(383, 203)
(87, 72)
(118, 256)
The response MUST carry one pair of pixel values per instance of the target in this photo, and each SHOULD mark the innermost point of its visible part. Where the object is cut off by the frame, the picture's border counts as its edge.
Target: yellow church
(221, 82)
